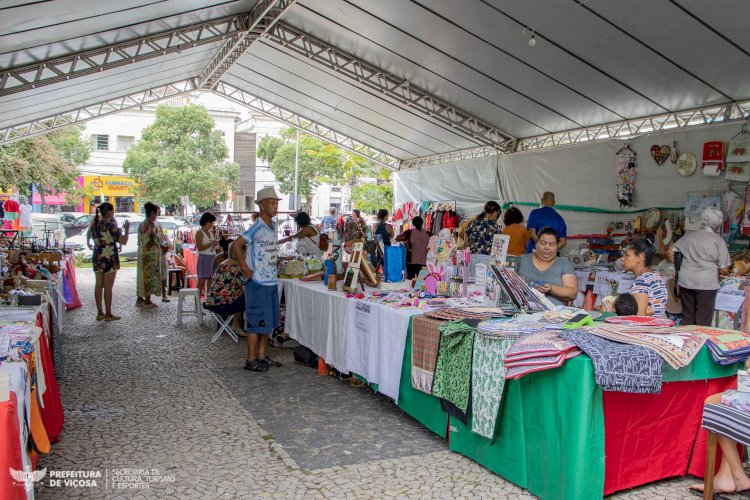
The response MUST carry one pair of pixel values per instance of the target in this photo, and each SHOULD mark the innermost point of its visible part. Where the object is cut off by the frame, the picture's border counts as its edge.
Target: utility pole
(296, 173)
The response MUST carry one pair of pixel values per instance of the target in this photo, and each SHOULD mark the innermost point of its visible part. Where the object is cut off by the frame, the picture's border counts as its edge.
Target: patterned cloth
(537, 351)
(453, 368)
(639, 320)
(619, 367)
(262, 251)
(454, 313)
(652, 285)
(106, 258)
(425, 340)
(725, 346)
(227, 285)
(148, 272)
(675, 346)
(495, 328)
(488, 382)
(736, 399)
(480, 233)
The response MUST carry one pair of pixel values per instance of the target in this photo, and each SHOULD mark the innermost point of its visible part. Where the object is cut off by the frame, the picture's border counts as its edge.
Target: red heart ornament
(656, 152)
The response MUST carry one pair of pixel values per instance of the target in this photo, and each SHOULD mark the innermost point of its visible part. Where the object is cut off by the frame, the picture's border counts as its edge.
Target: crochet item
(625, 177)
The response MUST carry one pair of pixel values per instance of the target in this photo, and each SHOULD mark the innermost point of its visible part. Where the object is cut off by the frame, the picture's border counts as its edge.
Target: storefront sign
(109, 185)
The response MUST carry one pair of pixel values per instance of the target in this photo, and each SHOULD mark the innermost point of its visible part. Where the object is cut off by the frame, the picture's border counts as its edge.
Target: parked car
(79, 225)
(41, 223)
(68, 218)
(128, 251)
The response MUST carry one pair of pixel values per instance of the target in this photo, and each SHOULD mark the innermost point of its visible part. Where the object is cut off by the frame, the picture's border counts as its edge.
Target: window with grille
(101, 142)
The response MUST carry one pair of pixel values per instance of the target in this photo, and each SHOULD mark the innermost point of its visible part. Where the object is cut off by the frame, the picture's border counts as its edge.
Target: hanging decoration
(686, 164)
(713, 158)
(625, 176)
(675, 154)
(660, 154)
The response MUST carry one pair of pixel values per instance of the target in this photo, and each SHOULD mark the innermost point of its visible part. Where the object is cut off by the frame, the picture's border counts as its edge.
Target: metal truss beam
(453, 156)
(306, 125)
(370, 76)
(260, 20)
(80, 115)
(121, 54)
(706, 115)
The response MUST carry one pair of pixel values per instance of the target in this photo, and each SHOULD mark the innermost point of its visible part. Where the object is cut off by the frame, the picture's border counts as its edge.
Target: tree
(369, 197)
(181, 154)
(48, 161)
(319, 162)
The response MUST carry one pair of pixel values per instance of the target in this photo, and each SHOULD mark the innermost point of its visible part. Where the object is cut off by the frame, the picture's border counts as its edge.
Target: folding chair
(223, 316)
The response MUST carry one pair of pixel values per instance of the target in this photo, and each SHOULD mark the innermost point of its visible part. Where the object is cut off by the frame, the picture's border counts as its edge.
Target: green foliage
(181, 154)
(49, 161)
(319, 162)
(370, 198)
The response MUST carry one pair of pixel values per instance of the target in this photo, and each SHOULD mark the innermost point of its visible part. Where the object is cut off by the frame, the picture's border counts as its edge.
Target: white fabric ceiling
(599, 62)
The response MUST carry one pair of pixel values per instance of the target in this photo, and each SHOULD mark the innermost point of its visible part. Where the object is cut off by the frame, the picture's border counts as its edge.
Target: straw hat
(268, 193)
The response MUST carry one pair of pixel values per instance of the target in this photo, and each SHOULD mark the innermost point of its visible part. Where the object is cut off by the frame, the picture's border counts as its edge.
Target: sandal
(139, 303)
(100, 316)
(256, 366)
(270, 362)
(164, 299)
(149, 305)
(112, 317)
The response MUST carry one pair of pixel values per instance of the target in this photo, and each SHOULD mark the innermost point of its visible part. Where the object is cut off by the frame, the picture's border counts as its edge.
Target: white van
(47, 222)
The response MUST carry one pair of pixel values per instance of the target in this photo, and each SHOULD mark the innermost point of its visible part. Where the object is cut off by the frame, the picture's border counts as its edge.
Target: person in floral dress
(150, 237)
(226, 294)
(106, 260)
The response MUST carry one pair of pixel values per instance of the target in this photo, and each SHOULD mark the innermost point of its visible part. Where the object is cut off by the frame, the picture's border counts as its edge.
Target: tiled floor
(143, 394)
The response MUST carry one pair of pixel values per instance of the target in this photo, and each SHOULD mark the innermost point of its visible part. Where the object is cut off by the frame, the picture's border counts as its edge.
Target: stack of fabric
(619, 367)
(725, 346)
(676, 346)
(640, 320)
(425, 339)
(455, 313)
(537, 351)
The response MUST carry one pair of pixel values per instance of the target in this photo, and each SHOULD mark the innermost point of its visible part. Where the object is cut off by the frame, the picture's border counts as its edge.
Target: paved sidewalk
(143, 394)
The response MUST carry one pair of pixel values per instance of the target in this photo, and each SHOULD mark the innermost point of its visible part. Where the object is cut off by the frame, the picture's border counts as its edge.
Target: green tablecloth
(550, 437)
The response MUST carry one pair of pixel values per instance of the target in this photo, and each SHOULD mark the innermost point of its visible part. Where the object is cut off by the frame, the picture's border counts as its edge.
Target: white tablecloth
(352, 335)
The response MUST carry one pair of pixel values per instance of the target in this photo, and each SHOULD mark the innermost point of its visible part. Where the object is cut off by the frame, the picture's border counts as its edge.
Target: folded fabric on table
(620, 367)
(453, 368)
(425, 340)
(488, 381)
(503, 327)
(537, 351)
(675, 346)
(457, 313)
(640, 320)
(725, 346)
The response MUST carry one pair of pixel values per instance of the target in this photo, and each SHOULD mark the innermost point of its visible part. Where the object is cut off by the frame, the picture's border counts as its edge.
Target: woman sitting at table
(226, 294)
(731, 477)
(648, 289)
(308, 236)
(552, 275)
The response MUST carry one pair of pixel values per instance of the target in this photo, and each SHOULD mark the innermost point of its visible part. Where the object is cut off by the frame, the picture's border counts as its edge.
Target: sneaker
(256, 365)
(270, 362)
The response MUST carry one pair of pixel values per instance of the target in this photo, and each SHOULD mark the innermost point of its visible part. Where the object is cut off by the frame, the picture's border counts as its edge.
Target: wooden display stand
(359, 266)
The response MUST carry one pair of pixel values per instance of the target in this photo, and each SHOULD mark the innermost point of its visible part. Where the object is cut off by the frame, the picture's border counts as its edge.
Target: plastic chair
(197, 312)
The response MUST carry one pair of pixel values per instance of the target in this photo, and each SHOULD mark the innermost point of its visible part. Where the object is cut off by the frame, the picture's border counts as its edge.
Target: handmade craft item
(660, 154)
(625, 176)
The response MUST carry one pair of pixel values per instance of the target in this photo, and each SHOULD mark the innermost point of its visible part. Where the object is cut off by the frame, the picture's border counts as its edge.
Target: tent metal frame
(397, 88)
(260, 20)
(305, 124)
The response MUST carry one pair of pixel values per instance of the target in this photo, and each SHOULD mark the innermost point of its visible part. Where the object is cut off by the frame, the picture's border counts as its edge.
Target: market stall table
(556, 427)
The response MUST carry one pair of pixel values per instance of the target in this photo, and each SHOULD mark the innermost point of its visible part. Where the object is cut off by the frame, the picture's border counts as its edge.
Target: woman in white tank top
(206, 245)
(308, 236)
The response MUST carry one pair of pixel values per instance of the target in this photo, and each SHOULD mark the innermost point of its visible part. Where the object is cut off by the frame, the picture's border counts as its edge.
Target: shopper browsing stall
(546, 216)
(258, 264)
(519, 234)
(552, 275)
(330, 220)
(482, 229)
(648, 288)
(106, 261)
(308, 236)
(148, 273)
(704, 257)
(354, 227)
(205, 244)
(417, 240)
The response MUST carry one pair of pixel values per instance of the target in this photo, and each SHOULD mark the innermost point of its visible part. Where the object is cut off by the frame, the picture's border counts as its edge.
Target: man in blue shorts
(546, 216)
(261, 290)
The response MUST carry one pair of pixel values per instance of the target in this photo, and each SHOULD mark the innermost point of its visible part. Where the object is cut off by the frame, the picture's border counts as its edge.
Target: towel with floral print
(453, 368)
(488, 381)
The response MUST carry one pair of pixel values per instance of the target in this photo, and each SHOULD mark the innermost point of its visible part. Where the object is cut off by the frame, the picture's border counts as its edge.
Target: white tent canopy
(407, 78)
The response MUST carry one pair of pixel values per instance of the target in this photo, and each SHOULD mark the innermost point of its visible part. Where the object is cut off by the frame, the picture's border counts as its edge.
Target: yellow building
(118, 190)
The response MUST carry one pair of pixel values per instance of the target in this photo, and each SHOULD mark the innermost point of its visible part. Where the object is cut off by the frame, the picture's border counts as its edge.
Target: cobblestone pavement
(141, 393)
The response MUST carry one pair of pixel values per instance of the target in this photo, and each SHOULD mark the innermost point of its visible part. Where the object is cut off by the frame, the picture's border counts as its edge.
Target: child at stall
(258, 266)
(625, 305)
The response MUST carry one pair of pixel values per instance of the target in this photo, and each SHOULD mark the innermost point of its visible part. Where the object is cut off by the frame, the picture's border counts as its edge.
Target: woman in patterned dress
(106, 260)
(150, 238)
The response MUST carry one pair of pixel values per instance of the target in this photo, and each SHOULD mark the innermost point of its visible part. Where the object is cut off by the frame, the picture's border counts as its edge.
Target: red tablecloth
(10, 450)
(52, 412)
(191, 261)
(69, 272)
(669, 440)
